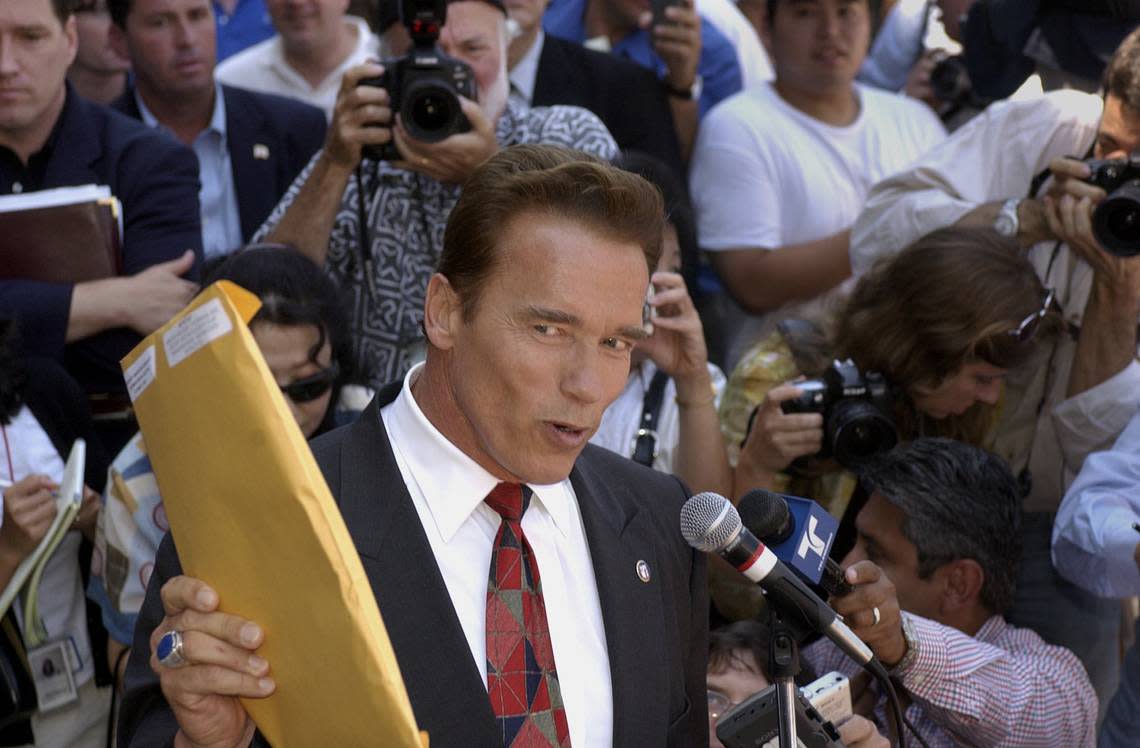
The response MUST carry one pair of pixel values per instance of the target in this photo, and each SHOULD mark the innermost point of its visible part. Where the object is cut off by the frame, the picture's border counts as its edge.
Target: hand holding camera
(361, 118)
(776, 438)
(453, 159)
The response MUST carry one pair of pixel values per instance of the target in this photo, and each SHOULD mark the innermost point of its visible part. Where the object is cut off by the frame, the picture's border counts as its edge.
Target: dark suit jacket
(270, 140)
(656, 632)
(627, 98)
(156, 179)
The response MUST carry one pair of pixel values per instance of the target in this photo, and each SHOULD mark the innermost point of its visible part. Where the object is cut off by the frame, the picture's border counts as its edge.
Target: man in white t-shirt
(780, 171)
(315, 44)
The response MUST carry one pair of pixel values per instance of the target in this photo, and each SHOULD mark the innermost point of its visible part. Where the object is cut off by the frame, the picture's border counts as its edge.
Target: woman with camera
(942, 322)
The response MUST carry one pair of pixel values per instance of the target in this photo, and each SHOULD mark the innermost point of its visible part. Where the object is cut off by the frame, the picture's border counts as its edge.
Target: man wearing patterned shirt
(385, 267)
(939, 539)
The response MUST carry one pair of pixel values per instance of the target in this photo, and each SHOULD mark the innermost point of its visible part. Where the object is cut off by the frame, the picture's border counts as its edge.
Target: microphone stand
(784, 662)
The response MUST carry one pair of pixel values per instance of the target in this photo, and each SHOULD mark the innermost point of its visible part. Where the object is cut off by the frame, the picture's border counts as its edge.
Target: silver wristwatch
(1006, 222)
(904, 664)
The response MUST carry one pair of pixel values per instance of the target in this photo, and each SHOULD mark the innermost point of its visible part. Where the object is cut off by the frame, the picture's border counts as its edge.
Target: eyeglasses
(1028, 327)
(310, 388)
(718, 705)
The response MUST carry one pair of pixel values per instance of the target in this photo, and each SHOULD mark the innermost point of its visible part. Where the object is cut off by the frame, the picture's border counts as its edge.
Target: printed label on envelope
(206, 323)
(140, 374)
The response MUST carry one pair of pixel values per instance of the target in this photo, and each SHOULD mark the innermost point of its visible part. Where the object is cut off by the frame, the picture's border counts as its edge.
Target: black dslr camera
(424, 85)
(857, 412)
(1116, 221)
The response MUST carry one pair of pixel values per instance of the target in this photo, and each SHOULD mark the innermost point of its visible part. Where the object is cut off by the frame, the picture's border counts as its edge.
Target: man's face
(818, 44)
(96, 53)
(35, 53)
(526, 13)
(880, 539)
(303, 23)
(1118, 135)
(547, 348)
(474, 33)
(172, 45)
(735, 682)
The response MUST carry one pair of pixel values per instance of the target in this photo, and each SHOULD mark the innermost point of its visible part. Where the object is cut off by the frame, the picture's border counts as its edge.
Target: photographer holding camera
(1081, 390)
(404, 135)
(930, 334)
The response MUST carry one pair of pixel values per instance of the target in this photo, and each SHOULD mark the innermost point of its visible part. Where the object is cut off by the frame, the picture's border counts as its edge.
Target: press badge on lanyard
(53, 667)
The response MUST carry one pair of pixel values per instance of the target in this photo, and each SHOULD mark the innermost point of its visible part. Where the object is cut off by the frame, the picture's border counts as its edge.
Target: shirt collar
(367, 45)
(991, 630)
(453, 484)
(525, 72)
(217, 119)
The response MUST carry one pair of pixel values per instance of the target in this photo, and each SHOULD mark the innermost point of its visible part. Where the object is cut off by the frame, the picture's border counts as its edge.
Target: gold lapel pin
(260, 151)
(643, 571)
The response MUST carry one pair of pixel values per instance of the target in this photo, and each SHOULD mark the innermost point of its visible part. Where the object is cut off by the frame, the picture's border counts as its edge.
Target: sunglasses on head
(311, 387)
(1028, 326)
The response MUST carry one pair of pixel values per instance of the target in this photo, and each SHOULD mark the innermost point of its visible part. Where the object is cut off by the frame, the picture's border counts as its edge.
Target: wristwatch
(692, 93)
(1006, 222)
(908, 658)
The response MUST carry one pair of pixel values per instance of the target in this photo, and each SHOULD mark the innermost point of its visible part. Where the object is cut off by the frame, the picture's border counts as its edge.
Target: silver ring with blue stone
(169, 650)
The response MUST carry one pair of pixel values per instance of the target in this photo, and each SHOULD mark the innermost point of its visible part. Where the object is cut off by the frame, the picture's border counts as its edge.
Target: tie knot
(510, 500)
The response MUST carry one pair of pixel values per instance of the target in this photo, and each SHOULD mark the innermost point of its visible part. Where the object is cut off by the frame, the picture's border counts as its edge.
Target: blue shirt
(1093, 537)
(247, 25)
(718, 66)
(221, 221)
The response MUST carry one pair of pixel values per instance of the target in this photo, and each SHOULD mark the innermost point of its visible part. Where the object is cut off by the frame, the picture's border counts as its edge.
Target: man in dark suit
(546, 70)
(480, 453)
(51, 137)
(250, 146)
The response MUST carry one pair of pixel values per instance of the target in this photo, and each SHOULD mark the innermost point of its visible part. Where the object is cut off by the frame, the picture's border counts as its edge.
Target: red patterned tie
(521, 679)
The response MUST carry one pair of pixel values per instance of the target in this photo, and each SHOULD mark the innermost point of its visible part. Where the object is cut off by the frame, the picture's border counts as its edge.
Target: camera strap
(645, 442)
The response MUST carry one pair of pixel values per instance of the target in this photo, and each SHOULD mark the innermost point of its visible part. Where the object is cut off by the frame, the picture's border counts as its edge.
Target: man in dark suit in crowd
(629, 100)
(250, 146)
(530, 321)
(51, 137)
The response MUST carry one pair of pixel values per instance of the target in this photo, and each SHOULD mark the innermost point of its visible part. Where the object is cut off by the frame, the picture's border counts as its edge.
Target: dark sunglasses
(310, 388)
(1028, 327)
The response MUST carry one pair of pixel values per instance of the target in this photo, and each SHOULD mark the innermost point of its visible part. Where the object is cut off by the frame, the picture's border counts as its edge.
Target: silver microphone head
(709, 522)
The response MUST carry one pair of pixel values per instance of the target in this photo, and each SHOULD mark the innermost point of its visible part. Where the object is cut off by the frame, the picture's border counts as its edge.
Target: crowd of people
(850, 250)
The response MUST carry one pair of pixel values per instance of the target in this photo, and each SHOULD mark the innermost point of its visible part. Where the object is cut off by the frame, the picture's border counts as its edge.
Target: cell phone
(658, 7)
(648, 311)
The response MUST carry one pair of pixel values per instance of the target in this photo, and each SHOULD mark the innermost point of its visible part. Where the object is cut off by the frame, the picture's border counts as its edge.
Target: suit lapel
(620, 538)
(251, 161)
(448, 696)
(83, 135)
(552, 80)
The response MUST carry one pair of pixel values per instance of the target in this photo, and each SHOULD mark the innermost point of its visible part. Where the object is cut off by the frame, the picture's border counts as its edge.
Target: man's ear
(443, 313)
(962, 581)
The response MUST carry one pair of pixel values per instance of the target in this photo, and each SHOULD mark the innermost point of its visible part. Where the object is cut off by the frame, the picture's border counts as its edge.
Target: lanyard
(8, 453)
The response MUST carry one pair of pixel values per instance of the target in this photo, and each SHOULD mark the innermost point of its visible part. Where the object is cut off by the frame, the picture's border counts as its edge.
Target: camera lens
(949, 80)
(1116, 221)
(857, 430)
(431, 111)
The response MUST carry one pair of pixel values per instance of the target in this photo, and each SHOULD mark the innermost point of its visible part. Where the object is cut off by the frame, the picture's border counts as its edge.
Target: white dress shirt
(525, 72)
(447, 488)
(221, 217)
(263, 68)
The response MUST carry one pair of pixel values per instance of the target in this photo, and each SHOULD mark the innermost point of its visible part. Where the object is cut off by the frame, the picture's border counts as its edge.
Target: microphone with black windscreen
(800, 532)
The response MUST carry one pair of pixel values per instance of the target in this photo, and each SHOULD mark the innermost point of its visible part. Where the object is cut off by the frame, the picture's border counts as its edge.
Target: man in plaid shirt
(939, 539)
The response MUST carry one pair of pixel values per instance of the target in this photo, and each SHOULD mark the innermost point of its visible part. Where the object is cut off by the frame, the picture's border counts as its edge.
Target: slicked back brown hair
(1122, 75)
(557, 182)
(947, 300)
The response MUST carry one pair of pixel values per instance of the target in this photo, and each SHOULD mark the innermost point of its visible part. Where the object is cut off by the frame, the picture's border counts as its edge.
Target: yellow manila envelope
(252, 516)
